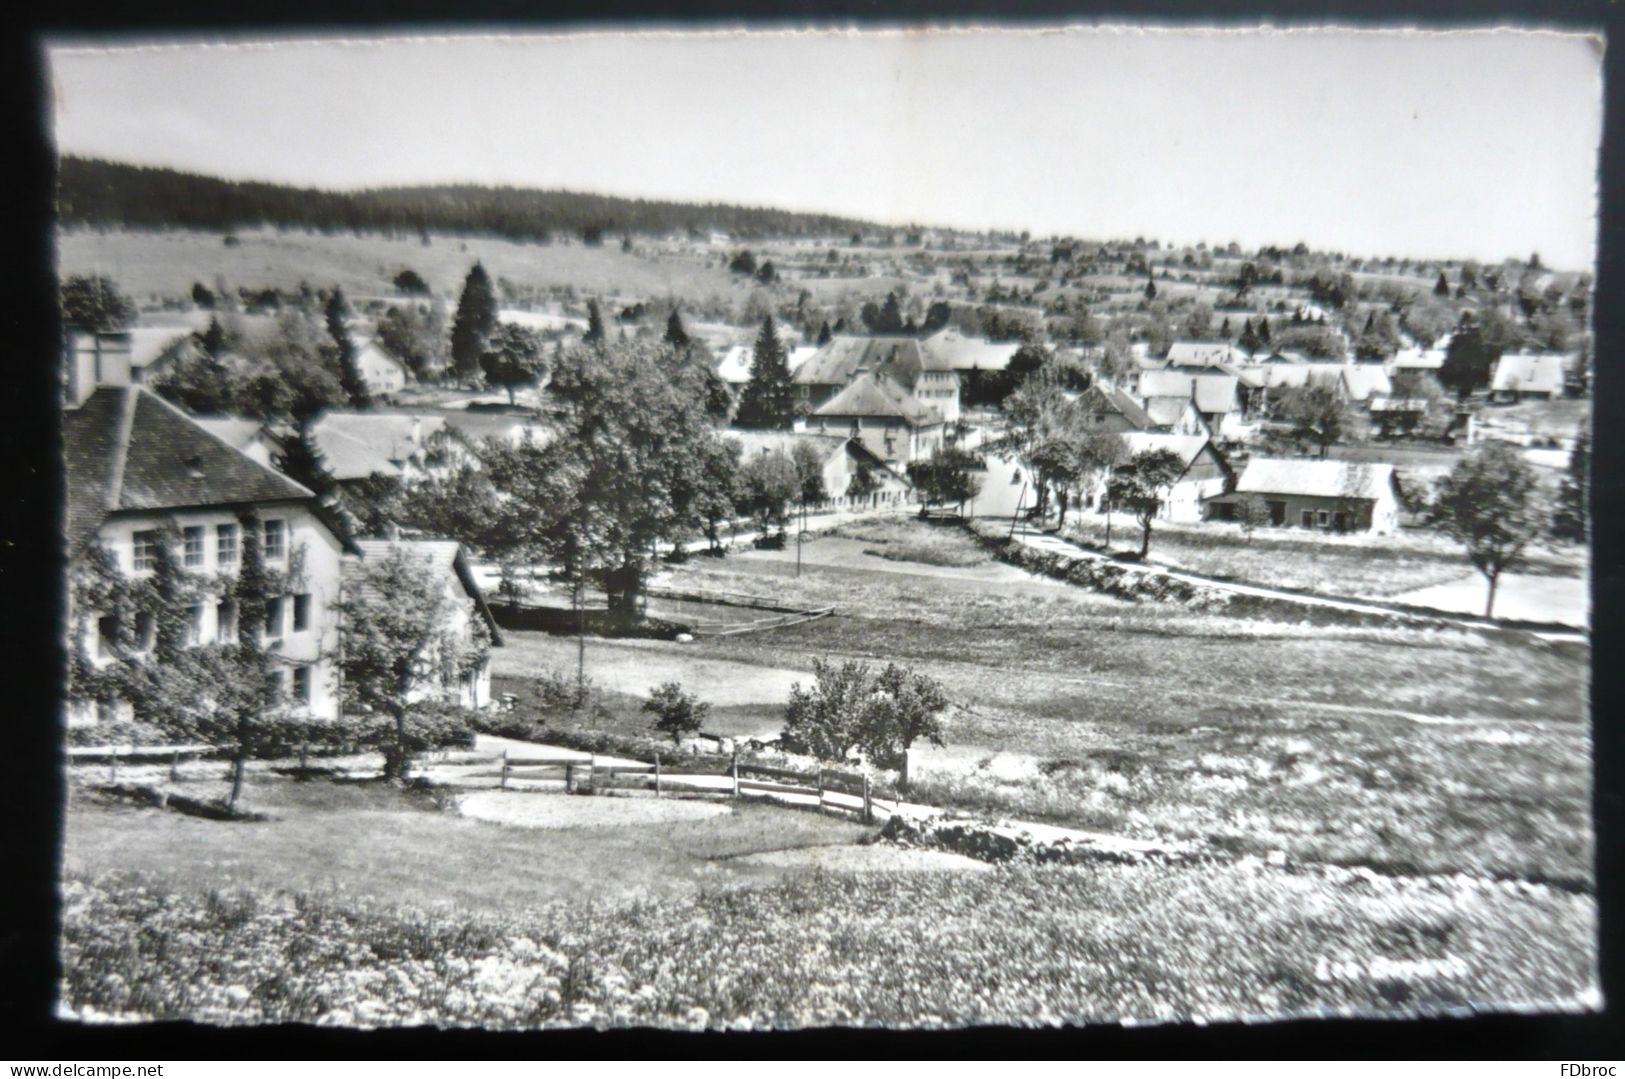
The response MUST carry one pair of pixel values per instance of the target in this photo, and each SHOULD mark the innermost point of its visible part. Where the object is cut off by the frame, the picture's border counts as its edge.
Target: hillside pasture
(152, 266)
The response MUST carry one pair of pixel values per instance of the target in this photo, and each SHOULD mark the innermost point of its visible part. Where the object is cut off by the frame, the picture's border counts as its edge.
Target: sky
(1471, 144)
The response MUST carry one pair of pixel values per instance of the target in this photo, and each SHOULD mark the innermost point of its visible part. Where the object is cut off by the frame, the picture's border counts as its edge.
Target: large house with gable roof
(135, 463)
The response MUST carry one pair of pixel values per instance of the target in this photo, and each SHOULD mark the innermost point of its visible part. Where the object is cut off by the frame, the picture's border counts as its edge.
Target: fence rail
(820, 784)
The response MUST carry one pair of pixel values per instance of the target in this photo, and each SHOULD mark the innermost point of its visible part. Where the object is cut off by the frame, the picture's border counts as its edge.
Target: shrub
(676, 713)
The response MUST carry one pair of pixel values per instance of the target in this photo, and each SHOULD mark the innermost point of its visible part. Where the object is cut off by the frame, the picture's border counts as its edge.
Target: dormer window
(194, 466)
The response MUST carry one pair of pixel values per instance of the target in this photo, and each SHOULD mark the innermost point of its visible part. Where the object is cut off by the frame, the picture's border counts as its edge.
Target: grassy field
(1373, 567)
(403, 847)
(1430, 750)
(149, 265)
(900, 540)
(1016, 946)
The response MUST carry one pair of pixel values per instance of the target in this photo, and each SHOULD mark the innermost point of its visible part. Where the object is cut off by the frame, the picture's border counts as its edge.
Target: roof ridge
(121, 446)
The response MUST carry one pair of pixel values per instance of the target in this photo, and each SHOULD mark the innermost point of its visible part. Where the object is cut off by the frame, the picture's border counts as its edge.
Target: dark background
(31, 562)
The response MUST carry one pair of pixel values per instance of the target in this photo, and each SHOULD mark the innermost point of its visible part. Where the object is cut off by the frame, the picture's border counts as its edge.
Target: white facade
(302, 623)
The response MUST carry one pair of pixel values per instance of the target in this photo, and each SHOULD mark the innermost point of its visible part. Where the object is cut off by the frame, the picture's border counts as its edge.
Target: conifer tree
(676, 336)
(824, 334)
(1442, 286)
(350, 380)
(595, 324)
(767, 400)
(475, 321)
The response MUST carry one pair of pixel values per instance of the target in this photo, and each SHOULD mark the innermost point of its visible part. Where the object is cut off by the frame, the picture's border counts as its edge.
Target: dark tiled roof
(1098, 398)
(128, 449)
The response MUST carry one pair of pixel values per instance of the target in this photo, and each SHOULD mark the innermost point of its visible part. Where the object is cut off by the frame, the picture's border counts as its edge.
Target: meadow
(156, 265)
(1414, 750)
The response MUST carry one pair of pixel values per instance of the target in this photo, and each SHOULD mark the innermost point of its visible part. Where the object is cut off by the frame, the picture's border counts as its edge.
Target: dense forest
(95, 192)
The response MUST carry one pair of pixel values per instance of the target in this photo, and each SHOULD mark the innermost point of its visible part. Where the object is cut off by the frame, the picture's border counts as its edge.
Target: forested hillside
(95, 192)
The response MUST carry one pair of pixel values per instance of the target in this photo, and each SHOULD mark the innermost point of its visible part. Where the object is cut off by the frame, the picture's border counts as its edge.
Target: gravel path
(533, 810)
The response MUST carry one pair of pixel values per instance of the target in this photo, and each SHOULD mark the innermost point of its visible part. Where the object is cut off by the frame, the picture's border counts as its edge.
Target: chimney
(94, 359)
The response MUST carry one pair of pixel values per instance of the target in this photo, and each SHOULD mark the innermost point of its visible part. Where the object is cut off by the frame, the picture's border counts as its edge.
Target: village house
(1326, 496)
(382, 373)
(467, 612)
(1106, 408)
(842, 457)
(1205, 475)
(1521, 376)
(136, 464)
(889, 421)
(926, 375)
(1201, 354)
(1216, 397)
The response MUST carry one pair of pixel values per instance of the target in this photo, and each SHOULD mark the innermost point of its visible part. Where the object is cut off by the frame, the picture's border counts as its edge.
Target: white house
(1521, 375)
(382, 373)
(843, 458)
(1205, 473)
(889, 421)
(466, 610)
(1326, 496)
(135, 464)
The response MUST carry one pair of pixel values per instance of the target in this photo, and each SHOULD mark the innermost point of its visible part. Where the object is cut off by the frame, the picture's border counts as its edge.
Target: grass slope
(151, 265)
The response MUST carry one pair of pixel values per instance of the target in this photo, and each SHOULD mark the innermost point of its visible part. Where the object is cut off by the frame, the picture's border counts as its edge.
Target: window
(194, 624)
(1307, 519)
(192, 546)
(145, 549)
(145, 631)
(225, 621)
(1324, 518)
(106, 710)
(106, 635)
(276, 544)
(273, 617)
(301, 684)
(225, 544)
(301, 612)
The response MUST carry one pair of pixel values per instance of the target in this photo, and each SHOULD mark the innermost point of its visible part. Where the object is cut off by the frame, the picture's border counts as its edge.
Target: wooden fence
(737, 780)
(133, 754)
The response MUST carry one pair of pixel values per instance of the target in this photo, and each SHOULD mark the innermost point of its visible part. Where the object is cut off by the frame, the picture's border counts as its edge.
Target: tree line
(101, 193)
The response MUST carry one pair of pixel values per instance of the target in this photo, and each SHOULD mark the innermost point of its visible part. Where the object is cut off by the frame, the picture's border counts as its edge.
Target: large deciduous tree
(948, 475)
(1141, 486)
(1318, 415)
(513, 359)
(1488, 502)
(400, 642)
(94, 303)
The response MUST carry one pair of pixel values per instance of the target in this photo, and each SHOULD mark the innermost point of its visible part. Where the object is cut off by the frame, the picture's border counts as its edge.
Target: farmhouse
(1523, 375)
(1206, 472)
(1334, 496)
(889, 421)
(382, 373)
(926, 375)
(1108, 409)
(467, 612)
(1216, 396)
(1353, 382)
(843, 460)
(134, 464)
(1201, 354)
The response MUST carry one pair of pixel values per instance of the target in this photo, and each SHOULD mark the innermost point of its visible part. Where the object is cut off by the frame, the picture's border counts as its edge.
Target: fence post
(569, 778)
(820, 790)
(175, 767)
(734, 771)
(304, 746)
(868, 807)
(657, 775)
(503, 782)
(592, 770)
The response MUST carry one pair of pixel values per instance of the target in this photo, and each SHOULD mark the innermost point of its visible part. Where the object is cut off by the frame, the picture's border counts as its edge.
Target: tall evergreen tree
(354, 386)
(474, 323)
(1442, 286)
(595, 324)
(676, 336)
(766, 400)
(1150, 287)
(824, 334)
